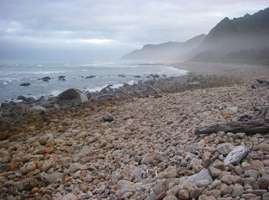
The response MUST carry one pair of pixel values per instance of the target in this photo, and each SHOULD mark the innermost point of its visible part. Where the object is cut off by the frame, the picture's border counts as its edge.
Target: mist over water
(89, 77)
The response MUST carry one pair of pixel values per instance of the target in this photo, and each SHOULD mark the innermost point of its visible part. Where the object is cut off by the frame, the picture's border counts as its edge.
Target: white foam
(118, 85)
(131, 82)
(55, 92)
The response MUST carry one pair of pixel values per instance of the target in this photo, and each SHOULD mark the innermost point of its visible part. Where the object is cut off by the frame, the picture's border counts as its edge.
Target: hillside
(244, 40)
(169, 51)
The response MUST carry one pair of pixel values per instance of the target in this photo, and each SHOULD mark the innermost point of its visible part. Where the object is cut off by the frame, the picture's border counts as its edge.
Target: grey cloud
(48, 24)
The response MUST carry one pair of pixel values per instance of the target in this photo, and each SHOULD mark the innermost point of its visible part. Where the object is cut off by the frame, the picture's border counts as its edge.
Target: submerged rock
(71, 97)
(89, 77)
(46, 78)
(61, 78)
(25, 84)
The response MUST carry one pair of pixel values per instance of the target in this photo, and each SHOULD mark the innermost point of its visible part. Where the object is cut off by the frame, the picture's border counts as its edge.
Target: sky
(89, 30)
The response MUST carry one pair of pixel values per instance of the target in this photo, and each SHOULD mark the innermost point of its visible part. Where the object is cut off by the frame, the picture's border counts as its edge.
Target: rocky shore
(26, 112)
(135, 145)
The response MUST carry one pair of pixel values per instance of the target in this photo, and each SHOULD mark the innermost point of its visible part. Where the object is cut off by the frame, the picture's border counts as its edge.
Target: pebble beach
(142, 148)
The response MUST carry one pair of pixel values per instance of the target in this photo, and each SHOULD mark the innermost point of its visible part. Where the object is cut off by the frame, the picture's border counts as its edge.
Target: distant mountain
(169, 51)
(244, 39)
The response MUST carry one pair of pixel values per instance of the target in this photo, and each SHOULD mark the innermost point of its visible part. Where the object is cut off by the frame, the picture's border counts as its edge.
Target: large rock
(72, 97)
(236, 155)
(203, 178)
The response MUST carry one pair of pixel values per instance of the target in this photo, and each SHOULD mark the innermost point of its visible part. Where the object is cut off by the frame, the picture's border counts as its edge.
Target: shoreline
(16, 116)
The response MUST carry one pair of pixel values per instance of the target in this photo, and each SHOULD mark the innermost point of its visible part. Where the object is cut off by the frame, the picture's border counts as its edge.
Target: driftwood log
(249, 127)
(258, 123)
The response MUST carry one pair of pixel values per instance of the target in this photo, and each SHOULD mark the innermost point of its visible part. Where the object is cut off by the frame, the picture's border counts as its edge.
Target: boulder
(203, 178)
(236, 155)
(71, 97)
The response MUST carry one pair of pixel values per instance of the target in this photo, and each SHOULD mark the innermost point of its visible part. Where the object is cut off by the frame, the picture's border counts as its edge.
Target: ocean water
(11, 76)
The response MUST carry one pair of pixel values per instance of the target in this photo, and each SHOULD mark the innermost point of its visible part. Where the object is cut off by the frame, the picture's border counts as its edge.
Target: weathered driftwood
(262, 82)
(248, 127)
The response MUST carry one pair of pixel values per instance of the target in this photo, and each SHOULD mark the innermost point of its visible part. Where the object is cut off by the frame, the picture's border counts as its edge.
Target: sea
(86, 77)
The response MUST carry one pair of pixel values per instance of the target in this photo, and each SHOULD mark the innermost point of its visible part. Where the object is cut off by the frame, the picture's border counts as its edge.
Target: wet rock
(25, 84)
(236, 155)
(71, 97)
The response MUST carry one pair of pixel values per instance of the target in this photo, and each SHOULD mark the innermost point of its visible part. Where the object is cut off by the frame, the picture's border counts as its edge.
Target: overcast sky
(65, 30)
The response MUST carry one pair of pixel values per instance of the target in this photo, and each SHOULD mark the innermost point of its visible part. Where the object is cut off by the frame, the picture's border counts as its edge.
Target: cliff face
(169, 51)
(244, 39)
